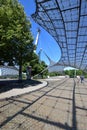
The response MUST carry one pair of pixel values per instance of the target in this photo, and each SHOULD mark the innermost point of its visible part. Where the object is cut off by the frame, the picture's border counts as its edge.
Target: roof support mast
(37, 37)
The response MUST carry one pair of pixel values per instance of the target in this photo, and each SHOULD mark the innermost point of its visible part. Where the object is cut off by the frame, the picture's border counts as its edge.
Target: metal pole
(37, 37)
(75, 73)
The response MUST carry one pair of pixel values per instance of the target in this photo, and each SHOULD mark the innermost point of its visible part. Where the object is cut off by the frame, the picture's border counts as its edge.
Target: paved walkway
(33, 85)
(62, 105)
(18, 91)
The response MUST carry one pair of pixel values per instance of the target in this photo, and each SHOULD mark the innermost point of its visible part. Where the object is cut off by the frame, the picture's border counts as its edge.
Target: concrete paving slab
(61, 105)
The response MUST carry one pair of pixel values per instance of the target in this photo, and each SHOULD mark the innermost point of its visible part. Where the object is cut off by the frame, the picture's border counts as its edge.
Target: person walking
(82, 78)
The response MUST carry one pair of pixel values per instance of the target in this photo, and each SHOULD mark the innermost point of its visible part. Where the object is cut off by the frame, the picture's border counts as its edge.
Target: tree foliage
(72, 73)
(16, 39)
(37, 66)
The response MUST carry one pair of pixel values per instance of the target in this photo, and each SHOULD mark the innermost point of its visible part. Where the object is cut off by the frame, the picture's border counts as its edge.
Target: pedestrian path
(15, 91)
(60, 105)
(18, 91)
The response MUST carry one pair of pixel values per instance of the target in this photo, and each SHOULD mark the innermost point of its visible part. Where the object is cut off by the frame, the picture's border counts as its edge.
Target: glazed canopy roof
(66, 21)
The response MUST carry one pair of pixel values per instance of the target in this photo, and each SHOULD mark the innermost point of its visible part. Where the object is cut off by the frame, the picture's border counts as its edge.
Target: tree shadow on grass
(7, 85)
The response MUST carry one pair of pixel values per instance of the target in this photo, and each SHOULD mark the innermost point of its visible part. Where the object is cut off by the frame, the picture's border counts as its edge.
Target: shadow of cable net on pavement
(60, 106)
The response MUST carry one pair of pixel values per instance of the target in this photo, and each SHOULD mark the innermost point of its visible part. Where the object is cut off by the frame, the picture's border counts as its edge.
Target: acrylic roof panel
(66, 21)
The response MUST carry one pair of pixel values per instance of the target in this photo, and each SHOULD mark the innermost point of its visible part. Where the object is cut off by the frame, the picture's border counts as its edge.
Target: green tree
(37, 67)
(16, 39)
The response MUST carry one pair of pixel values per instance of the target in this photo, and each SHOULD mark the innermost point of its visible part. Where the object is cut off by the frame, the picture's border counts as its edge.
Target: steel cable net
(66, 21)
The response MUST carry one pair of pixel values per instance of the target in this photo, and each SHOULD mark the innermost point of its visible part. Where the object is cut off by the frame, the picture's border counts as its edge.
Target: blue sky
(46, 42)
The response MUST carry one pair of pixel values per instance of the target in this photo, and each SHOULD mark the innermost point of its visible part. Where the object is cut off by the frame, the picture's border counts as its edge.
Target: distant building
(8, 71)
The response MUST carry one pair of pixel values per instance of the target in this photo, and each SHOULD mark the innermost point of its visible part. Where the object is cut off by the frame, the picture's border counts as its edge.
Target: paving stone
(57, 106)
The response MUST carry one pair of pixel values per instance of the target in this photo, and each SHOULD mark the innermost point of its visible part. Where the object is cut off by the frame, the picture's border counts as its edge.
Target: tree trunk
(20, 66)
(20, 72)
